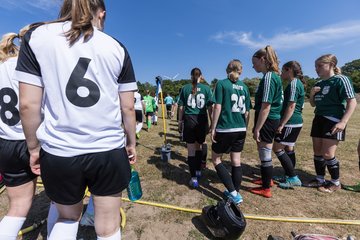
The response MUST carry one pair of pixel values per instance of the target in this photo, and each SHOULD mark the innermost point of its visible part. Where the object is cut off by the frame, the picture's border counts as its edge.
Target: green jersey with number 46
(234, 99)
(270, 91)
(195, 104)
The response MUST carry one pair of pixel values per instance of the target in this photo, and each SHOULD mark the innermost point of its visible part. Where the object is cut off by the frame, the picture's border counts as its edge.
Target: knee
(265, 157)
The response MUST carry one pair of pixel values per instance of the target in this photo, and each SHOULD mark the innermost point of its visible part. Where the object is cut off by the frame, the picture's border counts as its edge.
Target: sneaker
(198, 174)
(314, 184)
(194, 183)
(259, 182)
(354, 188)
(237, 199)
(87, 220)
(137, 135)
(265, 192)
(279, 178)
(329, 187)
(290, 183)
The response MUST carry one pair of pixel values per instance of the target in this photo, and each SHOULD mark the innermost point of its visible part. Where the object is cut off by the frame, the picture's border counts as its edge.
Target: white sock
(64, 231)
(53, 216)
(234, 193)
(156, 118)
(139, 127)
(115, 236)
(10, 227)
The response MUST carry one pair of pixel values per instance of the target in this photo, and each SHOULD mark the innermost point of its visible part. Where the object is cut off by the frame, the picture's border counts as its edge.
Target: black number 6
(76, 81)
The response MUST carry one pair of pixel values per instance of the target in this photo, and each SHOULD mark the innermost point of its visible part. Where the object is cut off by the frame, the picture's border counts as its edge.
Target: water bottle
(134, 188)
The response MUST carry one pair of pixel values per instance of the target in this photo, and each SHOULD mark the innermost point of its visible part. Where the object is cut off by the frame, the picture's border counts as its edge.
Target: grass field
(167, 183)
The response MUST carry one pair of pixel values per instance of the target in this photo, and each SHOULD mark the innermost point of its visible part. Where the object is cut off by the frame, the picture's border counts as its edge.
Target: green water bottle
(134, 188)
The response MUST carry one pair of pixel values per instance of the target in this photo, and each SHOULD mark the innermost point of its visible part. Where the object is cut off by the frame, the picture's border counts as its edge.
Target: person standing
(195, 105)
(139, 109)
(169, 102)
(15, 170)
(150, 107)
(334, 100)
(81, 143)
(228, 129)
(291, 123)
(268, 104)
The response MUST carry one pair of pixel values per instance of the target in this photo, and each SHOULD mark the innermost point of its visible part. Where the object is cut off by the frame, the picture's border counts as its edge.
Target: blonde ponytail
(271, 59)
(8, 48)
(234, 70)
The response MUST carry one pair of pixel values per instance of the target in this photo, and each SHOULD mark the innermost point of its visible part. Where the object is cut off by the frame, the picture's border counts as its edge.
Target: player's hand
(131, 152)
(256, 135)
(315, 90)
(279, 129)
(35, 161)
(213, 135)
(339, 127)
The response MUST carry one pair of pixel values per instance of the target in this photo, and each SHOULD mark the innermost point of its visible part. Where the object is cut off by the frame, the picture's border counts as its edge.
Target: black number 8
(9, 107)
(76, 81)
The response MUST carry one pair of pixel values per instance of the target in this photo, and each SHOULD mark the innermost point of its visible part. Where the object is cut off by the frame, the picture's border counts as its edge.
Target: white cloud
(27, 5)
(294, 39)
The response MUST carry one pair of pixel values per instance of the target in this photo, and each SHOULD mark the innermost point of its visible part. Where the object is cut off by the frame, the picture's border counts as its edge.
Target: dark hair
(296, 69)
(195, 74)
(271, 59)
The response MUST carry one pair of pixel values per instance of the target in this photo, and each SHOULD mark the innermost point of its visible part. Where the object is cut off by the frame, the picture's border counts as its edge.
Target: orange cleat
(265, 192)
(258, 181)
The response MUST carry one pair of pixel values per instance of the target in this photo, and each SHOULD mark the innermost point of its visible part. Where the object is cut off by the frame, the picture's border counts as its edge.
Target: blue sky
(166, 37)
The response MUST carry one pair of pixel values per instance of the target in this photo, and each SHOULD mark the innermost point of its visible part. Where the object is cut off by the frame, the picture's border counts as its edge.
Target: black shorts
(229, 142)
(321, 128)
(168, 107)
(14, 163)
(268, 130)
(65, 178)
(138, 115)
(288, 136)
(196, 128)
(149, 114)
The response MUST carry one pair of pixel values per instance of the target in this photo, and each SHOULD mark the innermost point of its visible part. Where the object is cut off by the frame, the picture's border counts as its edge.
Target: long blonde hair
(271, 59)
(330, 58)
(234, 70)
(8, 48)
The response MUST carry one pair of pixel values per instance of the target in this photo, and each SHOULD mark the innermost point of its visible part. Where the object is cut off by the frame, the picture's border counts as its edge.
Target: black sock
(266, 173)
(292, 157)
(333, 167)
(192, 165)
(225, 177)
(320, 165)
(236, 176)
(198, 155)
(204, 154)
(286, 163)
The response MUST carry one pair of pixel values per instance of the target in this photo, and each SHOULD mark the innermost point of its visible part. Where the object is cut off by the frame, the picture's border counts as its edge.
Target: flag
(158, 85)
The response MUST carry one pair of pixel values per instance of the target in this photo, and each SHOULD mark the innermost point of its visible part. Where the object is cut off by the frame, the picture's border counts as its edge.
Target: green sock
(149, 124)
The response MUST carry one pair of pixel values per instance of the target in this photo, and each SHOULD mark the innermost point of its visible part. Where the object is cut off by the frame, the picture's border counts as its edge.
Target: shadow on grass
(181, 176)
(200, 226)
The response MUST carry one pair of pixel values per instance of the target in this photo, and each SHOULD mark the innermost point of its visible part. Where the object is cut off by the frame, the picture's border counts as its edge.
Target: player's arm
(128, 115)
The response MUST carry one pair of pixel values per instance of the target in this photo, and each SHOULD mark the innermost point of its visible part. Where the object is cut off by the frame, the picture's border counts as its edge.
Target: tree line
(350, 69)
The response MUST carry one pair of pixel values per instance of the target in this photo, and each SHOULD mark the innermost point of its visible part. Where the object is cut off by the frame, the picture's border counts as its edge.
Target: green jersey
(150, 104)
(195, 104)
(330, 101)
(294, 92)
(270, 91)
(234, 99)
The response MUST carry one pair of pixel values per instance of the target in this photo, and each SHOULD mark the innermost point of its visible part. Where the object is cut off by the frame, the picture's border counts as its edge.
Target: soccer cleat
(194, 183)
(137, 135)
(279, 178)
(354, 188)
(237, 199)
(314, 184)
(87, 220)
(329, 187)
(259, 182)
(290, 183)
(265, 192)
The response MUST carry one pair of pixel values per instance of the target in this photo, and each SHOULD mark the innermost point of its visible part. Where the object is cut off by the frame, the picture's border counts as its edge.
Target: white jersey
(138, 101)
(82, 83)
(10, 124)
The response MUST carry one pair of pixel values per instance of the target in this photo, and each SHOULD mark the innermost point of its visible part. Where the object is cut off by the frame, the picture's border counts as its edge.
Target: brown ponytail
(271, 59)
(8, 48)
(234, 70)
(296, 70)
(195, 75)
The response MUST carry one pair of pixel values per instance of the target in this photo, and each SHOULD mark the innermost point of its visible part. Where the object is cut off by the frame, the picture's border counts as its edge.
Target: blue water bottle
(134, 188)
